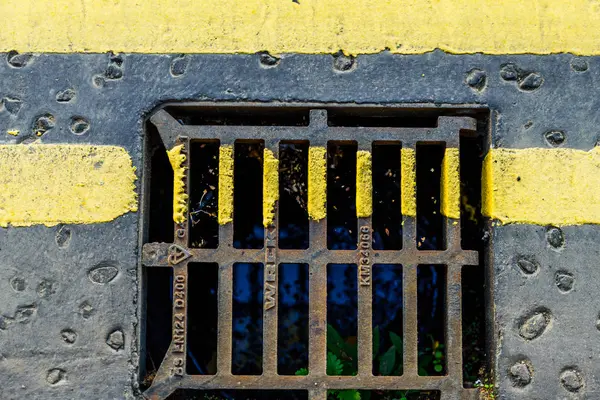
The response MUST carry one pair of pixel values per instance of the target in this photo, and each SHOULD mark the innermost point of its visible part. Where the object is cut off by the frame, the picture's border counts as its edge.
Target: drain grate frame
(318, 130)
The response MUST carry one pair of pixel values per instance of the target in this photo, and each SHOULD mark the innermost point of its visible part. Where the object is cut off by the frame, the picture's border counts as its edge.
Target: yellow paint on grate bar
(317, 183)
(542, 186)
(364, 184)
(179, 196)
(450, 184)
(307, 26)
(225, 201)
(49, 184)
(270, 186)
(408, 181)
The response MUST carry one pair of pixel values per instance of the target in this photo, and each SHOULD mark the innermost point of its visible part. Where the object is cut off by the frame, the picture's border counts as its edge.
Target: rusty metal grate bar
(172, 372)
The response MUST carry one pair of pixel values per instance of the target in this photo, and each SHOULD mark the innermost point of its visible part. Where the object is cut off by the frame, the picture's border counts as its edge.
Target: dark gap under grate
(160, 209)
(202, 319)
(369, 117)
(204, 184)
(388, 326)
(384, 394)
(292, 346)
(293, 195)
(241, 116)
(387, 218)
(431, 319)
(342, 231)
(247, 319)
(159, 293)
(248, 232)
(473, 276)
(190, 394)
(430, 222)
(342, 328)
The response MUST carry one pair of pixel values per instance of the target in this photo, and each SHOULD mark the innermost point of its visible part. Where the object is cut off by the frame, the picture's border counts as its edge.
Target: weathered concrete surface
(548, 318)
(114, 96)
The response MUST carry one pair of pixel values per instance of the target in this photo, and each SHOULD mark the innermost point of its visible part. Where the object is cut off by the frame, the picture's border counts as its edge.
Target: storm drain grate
(205, 197)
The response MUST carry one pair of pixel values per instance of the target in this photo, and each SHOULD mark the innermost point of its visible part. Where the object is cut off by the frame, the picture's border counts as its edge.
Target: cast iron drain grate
(269, 128)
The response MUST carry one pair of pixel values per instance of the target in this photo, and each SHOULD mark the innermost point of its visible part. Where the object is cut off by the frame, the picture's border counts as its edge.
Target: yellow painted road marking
(179, 196)
(408, 182)
(270, 186)
(450, 187)
(364, 184)
(57, 183)
(317, 182)
(225, 200)
(542, 186)
(307, 26)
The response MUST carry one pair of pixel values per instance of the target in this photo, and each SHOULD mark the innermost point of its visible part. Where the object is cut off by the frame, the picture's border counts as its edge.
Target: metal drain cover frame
(171, 374)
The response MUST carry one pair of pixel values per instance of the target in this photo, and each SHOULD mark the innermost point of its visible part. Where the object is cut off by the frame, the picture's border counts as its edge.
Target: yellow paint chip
(542, 186)
(270, 186)
(13, 132)
(317, 182)
(408, 178)
(225, 200)
(49, 184)
(179, 196)
(364, 184)
(313, 26)
(450, 184)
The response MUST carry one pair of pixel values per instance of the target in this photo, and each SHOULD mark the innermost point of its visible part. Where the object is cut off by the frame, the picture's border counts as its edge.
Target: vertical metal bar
(178, 346)
(317, 340)
(317, 283)
(365, 298)
(225, 293)
(409, 244)
(365, 266)
(409, 279)
(225, 318)
(454, 323)
(317, 394)
(465, 394)
(271, 284)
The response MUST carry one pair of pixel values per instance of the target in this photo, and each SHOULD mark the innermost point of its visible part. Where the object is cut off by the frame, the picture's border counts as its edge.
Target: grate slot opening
(431, 319)
(248, 232)
(387, 216)
(474, 307)
(204, 184)
(471, 220)
(342, 319)
(430, 222)
(380, 117)
(160, 208)
(159, 313)
(193, 394)
(383, 394)
(247, 349)
(473, 324)
(292, 346)
(241, 116)
(293, 195)
(342, 232)
(388, 326)
(201, 354)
